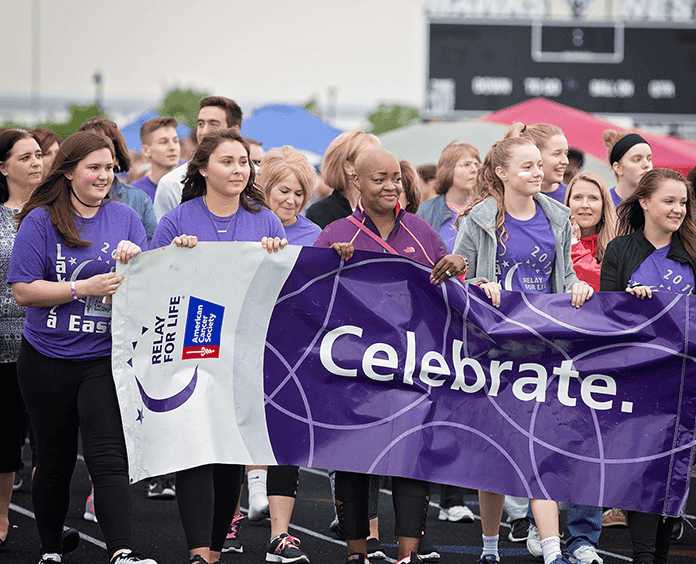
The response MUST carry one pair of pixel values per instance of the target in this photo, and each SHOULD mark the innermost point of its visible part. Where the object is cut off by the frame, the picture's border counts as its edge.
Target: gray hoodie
(477, 242)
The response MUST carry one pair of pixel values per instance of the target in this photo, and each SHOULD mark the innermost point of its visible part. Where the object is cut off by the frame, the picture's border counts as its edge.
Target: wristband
(72, 290)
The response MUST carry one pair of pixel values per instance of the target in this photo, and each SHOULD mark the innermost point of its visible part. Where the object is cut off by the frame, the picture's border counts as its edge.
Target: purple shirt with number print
(526, 262)
(79, 329)
(194, 218)
(662, 274)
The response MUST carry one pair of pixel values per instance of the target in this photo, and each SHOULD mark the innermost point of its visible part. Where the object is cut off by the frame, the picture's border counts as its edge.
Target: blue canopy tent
(132, 131)
(278, 125)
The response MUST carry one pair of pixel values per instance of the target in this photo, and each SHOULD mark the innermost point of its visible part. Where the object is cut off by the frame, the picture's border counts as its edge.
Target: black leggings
(13, 426)
(651, 536)
(207, 497)
(283, 480)
(410, 498)
(64, 397)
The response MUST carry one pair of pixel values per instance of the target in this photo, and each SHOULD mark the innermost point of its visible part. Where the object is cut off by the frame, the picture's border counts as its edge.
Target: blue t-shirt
(79, 329)
(448, 233)
(615, 197)
(147, 186)
(302, 232)
(559, 193)
(526, 263)
(194, 218)
(662, 274)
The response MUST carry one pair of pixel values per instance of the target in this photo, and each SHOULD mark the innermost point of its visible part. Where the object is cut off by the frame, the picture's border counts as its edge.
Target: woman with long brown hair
(70, 236)
(220, 202)
(655, 251)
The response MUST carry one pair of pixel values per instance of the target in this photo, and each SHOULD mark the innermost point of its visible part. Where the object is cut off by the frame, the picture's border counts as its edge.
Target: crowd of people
(71, 209)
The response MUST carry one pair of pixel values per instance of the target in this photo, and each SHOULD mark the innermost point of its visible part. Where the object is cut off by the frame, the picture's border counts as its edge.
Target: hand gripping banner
(226, 354)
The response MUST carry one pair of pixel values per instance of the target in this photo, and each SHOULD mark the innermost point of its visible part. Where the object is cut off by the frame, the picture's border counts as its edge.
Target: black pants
(283, 480)
(410, 498)
(651, 536)
(13, 426)
(62, 398)
(207, 497)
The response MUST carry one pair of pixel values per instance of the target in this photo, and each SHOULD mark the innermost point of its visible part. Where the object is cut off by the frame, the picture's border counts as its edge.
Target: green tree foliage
(182, 105)
(313, 108)
(78, 116)
(390, 117)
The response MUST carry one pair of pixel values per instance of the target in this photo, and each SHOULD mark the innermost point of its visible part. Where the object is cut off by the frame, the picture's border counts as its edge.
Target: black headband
(624, 145)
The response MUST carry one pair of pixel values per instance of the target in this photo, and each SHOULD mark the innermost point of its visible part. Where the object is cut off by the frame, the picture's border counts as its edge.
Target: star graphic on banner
(73, 261)
(140, 416)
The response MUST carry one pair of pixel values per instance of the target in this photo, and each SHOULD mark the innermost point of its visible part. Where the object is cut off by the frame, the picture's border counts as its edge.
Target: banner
(226, 354)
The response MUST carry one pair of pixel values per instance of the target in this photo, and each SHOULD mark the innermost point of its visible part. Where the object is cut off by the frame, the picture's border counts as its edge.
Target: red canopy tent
(584, 131)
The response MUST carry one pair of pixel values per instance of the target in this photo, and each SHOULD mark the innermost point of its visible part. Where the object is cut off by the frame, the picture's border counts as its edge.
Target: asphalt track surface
(157, 531)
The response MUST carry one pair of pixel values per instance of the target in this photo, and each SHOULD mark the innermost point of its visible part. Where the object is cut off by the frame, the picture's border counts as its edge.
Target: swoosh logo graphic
(171, 403)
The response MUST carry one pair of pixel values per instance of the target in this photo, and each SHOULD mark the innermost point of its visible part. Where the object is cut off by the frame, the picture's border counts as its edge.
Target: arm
(466, 245)
(569, 276)
(609, 276)
(43, 293)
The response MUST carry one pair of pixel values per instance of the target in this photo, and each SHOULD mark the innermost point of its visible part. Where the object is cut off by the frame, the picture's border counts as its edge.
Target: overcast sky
(265, 50)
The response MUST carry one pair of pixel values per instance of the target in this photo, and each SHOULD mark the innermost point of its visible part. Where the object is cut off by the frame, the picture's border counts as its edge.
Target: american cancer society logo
(203, 329)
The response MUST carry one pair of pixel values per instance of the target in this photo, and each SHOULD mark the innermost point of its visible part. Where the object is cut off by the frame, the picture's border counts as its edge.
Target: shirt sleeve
(465, 245)
(28, 260)
(167, 196)
(165, 232)
(609, 275)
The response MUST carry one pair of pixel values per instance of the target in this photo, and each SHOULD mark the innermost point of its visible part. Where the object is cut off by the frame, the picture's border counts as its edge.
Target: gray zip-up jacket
(477, 242)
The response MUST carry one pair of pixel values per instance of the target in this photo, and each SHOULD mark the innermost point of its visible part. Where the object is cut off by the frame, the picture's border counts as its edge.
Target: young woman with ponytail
(507, 233)
(553, 147)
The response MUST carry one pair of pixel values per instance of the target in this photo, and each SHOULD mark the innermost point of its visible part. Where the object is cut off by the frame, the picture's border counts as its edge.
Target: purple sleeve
(28, 260)
(137, 233)
(165, 232)
(324, 239)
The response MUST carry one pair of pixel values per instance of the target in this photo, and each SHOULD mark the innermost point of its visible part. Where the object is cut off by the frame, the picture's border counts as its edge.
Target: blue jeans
(584, 525)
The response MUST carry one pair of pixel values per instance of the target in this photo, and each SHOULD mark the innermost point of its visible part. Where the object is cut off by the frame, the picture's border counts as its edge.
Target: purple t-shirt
(615, 197)
(449, 233)
(662, 274)
(529, 253)
(302, 232)
(147, 186)
(79, 329)
(194, 218)
(559, 193)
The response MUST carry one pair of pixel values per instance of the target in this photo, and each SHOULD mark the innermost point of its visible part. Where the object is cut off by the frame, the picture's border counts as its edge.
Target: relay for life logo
(203, 328)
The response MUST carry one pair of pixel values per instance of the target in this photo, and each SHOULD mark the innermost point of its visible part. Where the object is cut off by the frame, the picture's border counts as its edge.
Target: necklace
(215, 225)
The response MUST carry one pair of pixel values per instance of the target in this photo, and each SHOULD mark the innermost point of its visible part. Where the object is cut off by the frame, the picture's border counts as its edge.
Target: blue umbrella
(278, 125)
(132, 131)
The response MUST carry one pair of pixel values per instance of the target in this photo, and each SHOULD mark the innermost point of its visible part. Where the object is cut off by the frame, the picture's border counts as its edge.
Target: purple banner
(370, 368)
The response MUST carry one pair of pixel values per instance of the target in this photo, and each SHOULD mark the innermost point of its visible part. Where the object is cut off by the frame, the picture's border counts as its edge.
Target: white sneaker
(585, 554)
(534, 542)
(456, 514)
(130, 557)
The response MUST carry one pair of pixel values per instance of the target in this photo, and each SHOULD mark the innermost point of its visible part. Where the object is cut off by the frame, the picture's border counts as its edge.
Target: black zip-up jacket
(626, 253)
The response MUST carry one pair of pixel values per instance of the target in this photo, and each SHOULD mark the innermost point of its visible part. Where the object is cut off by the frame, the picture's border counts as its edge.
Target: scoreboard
(599, 67)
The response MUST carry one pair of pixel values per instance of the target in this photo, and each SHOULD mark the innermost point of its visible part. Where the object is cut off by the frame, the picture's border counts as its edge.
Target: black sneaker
(285, 549)
(156, 489)
(374, 549)
(70, 540)
(427, 550)
(519, 530)
(232, 542)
